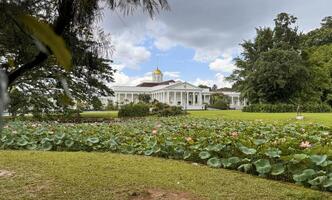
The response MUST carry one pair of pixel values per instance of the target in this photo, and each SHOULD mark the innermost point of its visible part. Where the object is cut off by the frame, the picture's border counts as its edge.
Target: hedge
(279, 108)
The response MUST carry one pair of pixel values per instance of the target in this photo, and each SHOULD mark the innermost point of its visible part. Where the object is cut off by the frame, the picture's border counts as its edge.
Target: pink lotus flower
(305, 144)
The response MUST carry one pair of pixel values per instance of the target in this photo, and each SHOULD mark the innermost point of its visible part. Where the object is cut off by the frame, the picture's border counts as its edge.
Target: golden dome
(157, 71)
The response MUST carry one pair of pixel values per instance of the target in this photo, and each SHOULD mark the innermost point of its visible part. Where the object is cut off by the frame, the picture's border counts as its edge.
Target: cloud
(219, 80)
(212, 29)
(164, 44)
(129, 53)
(120, 78)
(171, 75)
(224, 64)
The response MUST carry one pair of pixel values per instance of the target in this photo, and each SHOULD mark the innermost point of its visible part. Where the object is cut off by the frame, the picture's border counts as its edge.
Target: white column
(167, 96)
(187, 98)
(132, 97)
(181, 98)
(199, 98)
(232, 101)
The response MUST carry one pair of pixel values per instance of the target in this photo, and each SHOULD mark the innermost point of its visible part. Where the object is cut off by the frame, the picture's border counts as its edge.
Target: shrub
(275, 108)
(110, 106)
(165, 110)
(170, 111)
(134, 110)
(145, 98)
(220, 104)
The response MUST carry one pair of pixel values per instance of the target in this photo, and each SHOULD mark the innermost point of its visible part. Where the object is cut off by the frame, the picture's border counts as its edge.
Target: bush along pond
(298, 153)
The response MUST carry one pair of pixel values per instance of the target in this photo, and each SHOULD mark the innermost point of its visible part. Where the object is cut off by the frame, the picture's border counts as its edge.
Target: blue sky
(196, 41)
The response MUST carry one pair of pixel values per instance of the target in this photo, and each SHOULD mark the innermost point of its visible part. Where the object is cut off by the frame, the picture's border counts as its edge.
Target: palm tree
(150, 6)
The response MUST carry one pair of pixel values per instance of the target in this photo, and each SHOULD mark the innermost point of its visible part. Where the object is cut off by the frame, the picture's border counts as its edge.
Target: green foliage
(165, 110)
(282, 66)
(110, 106)
(286, 151)
(96, 104)
(271, 68)
(38, 36)
(280, 108)
(144, 98)
(46, 35)
(134, 110)
(219, 101)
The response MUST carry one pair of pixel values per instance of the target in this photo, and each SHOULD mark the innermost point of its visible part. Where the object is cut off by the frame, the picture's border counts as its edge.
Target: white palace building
(175, 93)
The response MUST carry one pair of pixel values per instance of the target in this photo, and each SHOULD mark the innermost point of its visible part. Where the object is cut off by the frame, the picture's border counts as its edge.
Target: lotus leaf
(246, 150)
(318, 180)
(214, 162)
(273, 152)
(204, 155)
(69, 143)
(278, 169)
(22, 142)
(93, 140)
(46, 146)
(245, 167)
(317, 159)
(263, 166)
(305, 175)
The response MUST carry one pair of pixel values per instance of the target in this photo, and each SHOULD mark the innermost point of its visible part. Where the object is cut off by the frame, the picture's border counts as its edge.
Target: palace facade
(175, 93)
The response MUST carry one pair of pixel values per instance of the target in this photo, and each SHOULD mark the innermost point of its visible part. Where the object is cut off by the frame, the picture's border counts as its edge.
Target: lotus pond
(299, 153)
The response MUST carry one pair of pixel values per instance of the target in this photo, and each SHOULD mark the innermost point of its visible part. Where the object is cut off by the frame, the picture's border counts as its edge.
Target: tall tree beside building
(270, 68)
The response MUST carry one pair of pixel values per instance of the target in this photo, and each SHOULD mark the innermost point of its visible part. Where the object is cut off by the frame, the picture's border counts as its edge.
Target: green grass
(78, 175)
(325, 118)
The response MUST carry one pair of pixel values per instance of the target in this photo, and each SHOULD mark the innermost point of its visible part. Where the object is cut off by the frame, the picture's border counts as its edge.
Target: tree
(96, 104)
(204, 86)
(317, 48)
(271, 68)
(214, 87)
(219, 101)
(31, 38)
(144, 98)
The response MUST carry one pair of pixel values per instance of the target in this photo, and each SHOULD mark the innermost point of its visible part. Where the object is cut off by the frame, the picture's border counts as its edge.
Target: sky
(196, 41)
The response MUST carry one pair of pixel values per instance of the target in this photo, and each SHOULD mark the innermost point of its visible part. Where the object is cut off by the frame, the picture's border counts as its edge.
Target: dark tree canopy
(271, 69)
(32, 65)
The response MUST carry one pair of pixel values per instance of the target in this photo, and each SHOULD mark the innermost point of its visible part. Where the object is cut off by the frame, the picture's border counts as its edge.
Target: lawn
(325, 118)
(78, 175)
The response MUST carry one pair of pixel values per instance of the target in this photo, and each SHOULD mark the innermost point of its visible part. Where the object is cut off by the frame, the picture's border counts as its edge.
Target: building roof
(153, 84)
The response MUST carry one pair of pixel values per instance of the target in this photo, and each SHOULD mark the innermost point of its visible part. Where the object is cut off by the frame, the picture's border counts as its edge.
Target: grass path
(78, 175)
(325, 118)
